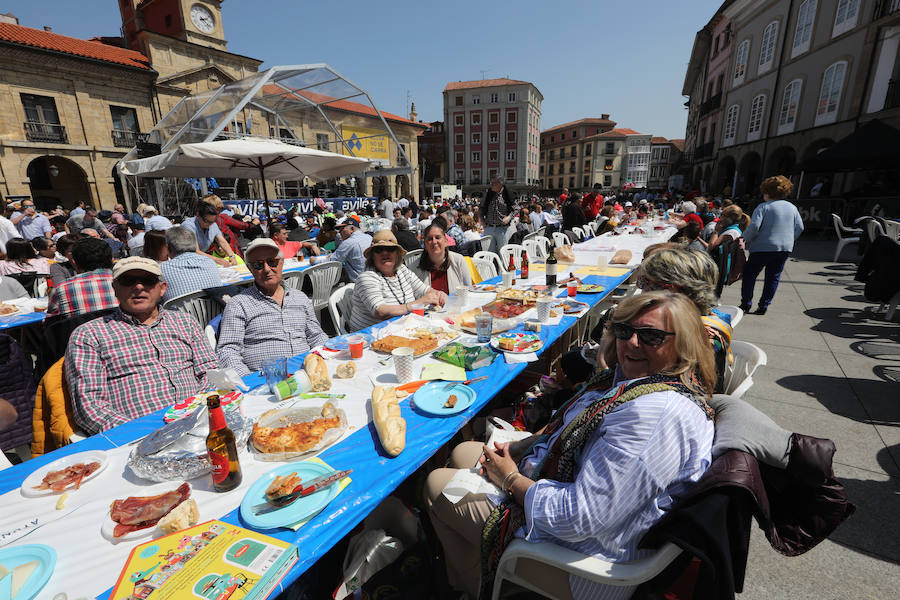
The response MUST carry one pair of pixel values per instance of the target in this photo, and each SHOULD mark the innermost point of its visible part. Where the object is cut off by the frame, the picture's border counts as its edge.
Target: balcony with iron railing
(886, 7)
(711, 104)
(892, 100)
(45, 132)
(123, 138)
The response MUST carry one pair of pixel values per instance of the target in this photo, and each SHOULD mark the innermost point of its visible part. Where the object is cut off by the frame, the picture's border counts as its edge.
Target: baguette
(317, 370)
(621, 257)
(390, 425)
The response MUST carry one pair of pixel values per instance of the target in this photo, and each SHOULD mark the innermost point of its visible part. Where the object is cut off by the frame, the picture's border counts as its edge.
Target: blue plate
(431, 398)
(292, 513)
(17, 555)
(340, 342)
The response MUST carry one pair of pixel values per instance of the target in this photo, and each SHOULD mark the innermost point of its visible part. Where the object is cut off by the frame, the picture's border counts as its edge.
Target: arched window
(731, 121)
(806, 14)
(754, 127)
(845, 16)
(830, 94)
(767, 50)
(740, 62)
(787, 113)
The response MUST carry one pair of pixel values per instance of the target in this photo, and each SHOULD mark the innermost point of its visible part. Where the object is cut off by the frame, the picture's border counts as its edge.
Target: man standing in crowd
(564, 196)
(497, 211)
(140, 358)
(91, 288)
(573, 214)
(88, 220)
(387, 209)
(154, 221)
(350, 252)
(209, 236)
(30, 223)
(8, 231)
(186, 270)
(78, 210)
(536, 216)
(269, 319)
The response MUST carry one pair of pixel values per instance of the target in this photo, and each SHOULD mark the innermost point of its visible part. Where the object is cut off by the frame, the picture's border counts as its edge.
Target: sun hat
(262, 242)
(136, 263)
(149, 209)
(384, 239)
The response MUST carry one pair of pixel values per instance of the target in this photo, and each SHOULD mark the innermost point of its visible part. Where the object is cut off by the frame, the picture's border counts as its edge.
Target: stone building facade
(567, 158)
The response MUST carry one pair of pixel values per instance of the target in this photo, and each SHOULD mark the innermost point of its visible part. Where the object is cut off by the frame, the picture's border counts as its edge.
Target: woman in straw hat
(387, 288)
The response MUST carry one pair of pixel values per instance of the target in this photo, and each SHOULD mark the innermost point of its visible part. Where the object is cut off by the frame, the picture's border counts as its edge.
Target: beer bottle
(512, 267)
(222, 450)
(550, 267)
(524, 265)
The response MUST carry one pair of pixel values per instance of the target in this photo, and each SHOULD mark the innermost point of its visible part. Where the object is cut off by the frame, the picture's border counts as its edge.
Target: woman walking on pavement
(774, 226)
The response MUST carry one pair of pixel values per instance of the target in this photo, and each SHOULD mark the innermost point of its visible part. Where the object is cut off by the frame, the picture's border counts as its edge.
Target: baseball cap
(629, 203)
(136, 263)
(262, 242)
(148, 209)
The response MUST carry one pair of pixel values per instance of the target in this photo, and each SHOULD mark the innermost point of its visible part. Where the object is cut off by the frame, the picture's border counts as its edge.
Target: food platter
(432, 398)
(485, 287)
(9, 310)
(569, 306)
(341, 342)
(229, 401)
(517, 342)
(37, 476)
(12, 557)
(297, 511)
(108, 526)
(423, 334)
(590, 288)
(285, 417)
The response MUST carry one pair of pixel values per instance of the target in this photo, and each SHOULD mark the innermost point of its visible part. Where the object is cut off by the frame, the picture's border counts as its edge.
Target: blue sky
(626, 58)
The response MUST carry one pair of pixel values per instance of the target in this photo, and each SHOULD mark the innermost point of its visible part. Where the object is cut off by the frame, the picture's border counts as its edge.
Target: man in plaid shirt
(91, 289)
(138, 359)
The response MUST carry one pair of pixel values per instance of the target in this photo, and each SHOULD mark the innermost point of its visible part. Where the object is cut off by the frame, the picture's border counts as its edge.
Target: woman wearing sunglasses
(387, 288)
(611, 462)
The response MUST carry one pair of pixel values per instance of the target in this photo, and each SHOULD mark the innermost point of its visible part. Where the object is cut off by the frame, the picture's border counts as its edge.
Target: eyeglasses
(383, 249)
(147, 281)
(257, 265)
(646, 335)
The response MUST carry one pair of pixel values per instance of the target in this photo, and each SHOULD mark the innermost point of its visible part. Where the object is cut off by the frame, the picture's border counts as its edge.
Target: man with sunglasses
(269, 319)
(137, 359)
(209, 237)
(30, 223)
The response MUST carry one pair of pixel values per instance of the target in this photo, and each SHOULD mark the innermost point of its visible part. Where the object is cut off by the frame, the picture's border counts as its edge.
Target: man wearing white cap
(153, 221)
(137, 359)
(268, 319)
(350, 252)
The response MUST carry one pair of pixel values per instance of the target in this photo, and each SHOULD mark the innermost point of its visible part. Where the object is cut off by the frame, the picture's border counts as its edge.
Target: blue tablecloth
(375, 475)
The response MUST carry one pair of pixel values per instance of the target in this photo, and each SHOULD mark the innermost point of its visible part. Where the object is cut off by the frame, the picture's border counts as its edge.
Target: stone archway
(55, 180)
(724, 174)
(401, 186)
(380, 187)
(781, 161)
(749, 174)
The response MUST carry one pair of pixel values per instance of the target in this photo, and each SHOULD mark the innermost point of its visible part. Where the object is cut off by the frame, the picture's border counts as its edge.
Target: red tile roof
(47, 40)
(344, 105)
(617, 133)
(678, 143)
(658, 140)
(579, 122)
(480, 83)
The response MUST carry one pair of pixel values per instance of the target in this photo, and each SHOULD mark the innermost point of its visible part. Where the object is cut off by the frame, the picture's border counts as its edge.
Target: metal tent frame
(292, 97)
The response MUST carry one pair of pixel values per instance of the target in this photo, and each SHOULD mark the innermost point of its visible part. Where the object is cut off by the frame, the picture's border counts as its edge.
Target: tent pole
(799, 186)
(262, 182)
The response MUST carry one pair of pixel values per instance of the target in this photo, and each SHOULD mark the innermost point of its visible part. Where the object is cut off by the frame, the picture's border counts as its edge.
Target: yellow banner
(366, 143)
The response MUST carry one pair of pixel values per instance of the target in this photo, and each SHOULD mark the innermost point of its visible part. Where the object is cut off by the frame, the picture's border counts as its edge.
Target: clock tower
(194, 21)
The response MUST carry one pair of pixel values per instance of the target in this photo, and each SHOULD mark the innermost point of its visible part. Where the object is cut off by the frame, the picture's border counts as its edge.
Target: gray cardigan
(457, 273)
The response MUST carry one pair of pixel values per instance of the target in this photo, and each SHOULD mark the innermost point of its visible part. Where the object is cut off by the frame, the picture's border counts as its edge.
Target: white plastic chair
(537, 248)
(485, 268)
(412, 257)
(211, 336)
(323, 277)
(735, 311)
(486, 241)
(561, 239)
(579, 234)
(589, 567)
(339, 306)
(739, 375)
(846, 235)
(892, 230)
(874, 229)
(197, 304)
(493, 259)
(511, 249)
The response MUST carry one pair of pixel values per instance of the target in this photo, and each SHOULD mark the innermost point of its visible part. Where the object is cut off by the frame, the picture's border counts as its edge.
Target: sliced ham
(139, 512)
(74, 474)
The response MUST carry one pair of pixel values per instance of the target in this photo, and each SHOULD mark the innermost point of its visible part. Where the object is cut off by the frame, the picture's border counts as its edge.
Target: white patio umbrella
(248, 158)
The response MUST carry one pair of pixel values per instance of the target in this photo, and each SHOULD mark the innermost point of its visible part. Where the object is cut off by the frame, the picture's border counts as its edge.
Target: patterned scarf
(562, 458)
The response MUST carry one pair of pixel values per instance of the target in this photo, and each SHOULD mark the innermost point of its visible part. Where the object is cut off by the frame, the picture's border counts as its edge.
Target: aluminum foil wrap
(185, 456)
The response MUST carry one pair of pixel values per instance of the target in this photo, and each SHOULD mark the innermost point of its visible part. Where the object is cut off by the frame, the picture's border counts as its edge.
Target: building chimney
(48, 28)
(604, 116)
(9, 18)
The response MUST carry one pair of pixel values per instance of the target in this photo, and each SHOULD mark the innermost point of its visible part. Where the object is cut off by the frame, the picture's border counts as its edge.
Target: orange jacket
(52, 417)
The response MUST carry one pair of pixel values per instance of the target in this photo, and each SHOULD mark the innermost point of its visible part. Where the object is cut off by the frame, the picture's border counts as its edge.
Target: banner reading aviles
(367, 143)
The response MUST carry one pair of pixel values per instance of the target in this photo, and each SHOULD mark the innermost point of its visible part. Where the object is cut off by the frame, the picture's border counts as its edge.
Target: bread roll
(390, 425)
(345, 370)
(621, 257)
(317, 370)
(181, 517)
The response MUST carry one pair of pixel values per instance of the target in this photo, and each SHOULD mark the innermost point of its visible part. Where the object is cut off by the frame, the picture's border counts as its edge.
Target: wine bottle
(222, 449)
(524, 265)
(550, 267)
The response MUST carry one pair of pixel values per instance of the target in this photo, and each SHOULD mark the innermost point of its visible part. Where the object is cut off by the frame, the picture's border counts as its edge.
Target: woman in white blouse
(387, 288)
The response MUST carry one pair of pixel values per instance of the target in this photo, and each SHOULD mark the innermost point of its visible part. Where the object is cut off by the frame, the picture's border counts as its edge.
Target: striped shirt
(374, 289)
(189, 272)
(255, 328)
(119, 369)
(643, 457)
(83, 293)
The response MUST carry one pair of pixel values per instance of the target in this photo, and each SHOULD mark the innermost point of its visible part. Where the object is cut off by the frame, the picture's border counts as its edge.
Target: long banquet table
(88, 564)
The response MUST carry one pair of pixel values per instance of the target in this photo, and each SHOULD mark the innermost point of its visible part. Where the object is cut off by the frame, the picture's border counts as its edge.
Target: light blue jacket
(773, 227)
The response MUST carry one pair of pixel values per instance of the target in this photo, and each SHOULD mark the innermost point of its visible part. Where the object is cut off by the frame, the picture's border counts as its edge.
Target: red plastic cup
(418, 309)
(572, 288)
(356, 344)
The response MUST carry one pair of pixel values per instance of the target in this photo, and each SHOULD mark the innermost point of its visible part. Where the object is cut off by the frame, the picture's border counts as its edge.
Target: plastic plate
(17, 555)
(340, 342)
(430, 398)
(590, 288)
(37, 476)
(292, 513)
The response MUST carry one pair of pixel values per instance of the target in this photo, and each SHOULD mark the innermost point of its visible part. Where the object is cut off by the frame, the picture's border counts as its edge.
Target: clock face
(202, 18)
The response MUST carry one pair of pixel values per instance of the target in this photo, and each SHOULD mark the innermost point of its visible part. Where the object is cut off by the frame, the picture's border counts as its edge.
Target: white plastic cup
(603, 262)
(462, 294)
(403, 363)
(507, 279)
(543, 308)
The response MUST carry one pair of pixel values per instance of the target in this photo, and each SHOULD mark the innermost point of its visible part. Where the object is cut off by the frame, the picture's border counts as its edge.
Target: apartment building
(493, 130)
(665, 155)
(567, 157)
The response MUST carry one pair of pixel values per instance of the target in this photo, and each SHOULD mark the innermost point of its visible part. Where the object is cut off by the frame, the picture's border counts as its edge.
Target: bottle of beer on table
(551, 268)
(512, 267)
(524, 265)
(222, 449)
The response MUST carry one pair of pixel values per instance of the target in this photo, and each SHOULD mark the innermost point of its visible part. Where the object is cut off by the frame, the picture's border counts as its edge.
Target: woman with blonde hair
(774, 226)
(611, 462)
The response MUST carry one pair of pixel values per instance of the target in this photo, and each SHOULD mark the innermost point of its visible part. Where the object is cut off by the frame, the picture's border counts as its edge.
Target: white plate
(109, 525)
(18, 310)
(36, 477)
